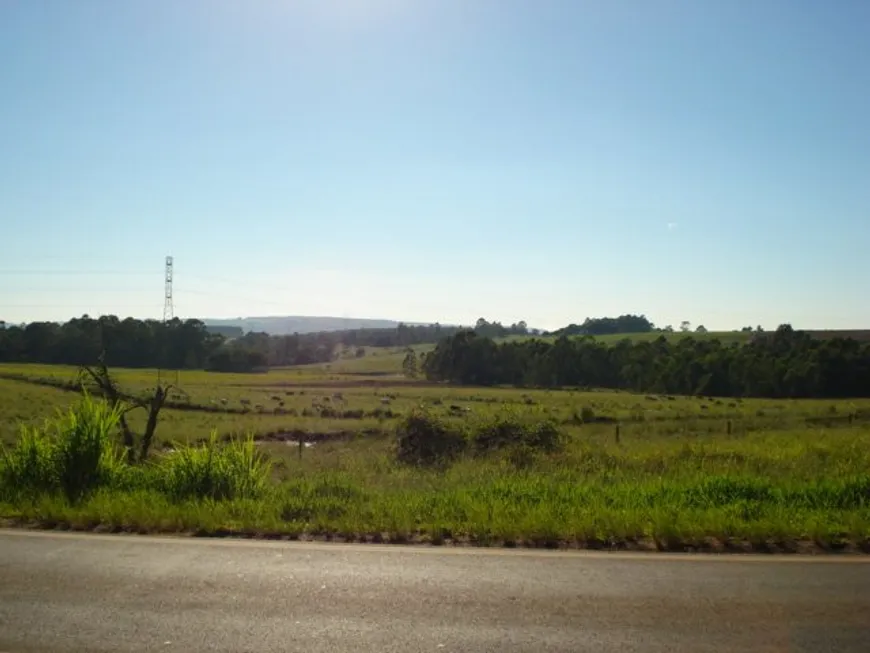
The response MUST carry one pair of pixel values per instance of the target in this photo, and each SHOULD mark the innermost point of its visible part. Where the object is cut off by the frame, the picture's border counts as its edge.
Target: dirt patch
(300, 435)
(858, 417)
(342, 383)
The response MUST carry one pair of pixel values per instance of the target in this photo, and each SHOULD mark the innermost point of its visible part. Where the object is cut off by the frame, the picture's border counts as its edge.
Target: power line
(77, 306)
(148, 273)
(62, 272)
(21, 290)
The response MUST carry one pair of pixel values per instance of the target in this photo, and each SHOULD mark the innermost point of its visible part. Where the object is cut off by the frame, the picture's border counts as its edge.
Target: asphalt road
(65, 593)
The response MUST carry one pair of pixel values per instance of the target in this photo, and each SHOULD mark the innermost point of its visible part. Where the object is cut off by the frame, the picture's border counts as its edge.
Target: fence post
(617, 434)
(301, 445)
(729, 427)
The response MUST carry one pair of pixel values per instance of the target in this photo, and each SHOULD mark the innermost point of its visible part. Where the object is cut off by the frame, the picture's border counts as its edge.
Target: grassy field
(635, 470)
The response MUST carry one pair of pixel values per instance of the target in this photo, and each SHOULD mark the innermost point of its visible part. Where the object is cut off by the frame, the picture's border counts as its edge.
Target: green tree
(409, 364)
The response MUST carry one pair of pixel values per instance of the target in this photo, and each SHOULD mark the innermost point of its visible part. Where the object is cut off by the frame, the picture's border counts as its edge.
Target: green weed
(73, 454)
(233, 470)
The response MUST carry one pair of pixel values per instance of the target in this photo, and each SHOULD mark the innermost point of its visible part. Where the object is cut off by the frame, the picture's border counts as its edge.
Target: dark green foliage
(189, 344)
(231, 358)
(603, 326)
(784, 363)
(179, 344)
(409, 364)
(509, 430)
(498, 330)
(403, 335)
(406, 335)
(424, 439)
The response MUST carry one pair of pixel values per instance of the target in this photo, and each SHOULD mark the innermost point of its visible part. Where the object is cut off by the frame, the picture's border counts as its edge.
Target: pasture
(647, 471)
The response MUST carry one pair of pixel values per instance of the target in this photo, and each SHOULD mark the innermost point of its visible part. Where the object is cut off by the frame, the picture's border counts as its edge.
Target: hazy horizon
(382, 323)
(438, 160)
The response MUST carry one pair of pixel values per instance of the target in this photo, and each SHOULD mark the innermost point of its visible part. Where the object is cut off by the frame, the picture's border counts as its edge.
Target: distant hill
(226, 331)
(289, 324)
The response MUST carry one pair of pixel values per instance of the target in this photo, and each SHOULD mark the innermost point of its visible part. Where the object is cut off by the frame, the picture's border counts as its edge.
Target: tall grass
(73, 454)
(77, 453)
(85, 448)
(235, 470)
(28, 468)
(472, 478)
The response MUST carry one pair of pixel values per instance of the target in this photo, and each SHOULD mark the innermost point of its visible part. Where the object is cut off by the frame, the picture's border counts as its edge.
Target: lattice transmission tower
(168, 309)
(168, 315)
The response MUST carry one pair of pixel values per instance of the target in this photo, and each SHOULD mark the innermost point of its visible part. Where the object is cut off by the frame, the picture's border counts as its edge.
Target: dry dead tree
(99, 377)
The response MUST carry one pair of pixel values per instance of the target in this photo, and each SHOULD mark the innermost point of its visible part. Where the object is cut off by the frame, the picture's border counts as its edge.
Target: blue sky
(438, 159)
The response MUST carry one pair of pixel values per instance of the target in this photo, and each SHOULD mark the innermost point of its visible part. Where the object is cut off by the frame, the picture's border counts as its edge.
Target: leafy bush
(508, 430)
(424, 439)
(234, 470)
(73, 454)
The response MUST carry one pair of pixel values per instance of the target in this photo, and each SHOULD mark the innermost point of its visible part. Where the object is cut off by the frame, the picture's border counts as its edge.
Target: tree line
(255, 349)
(178, 344)
(190, 344)
(784, 363)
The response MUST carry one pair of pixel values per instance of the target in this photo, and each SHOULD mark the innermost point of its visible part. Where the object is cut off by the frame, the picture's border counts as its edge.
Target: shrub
(508, 430)
(73, 454)
(234, 470)
(424, 439)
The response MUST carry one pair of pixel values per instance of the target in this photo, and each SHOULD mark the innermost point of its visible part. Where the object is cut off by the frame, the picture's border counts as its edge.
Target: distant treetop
(602, 326)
